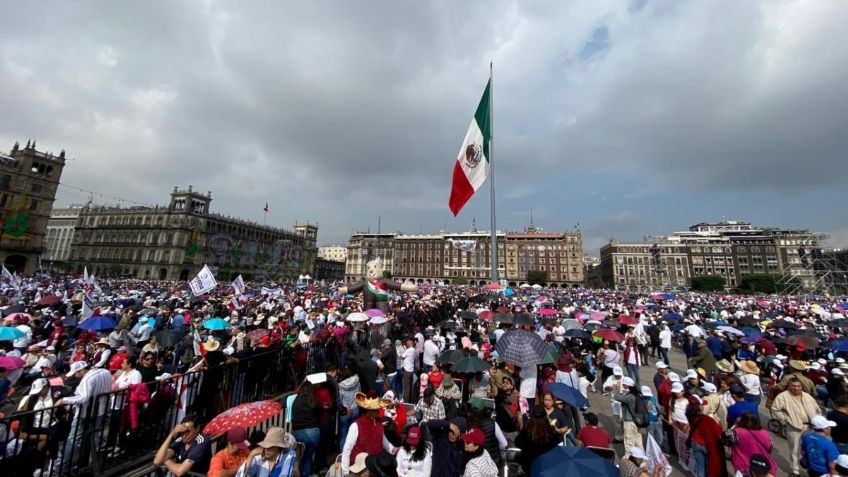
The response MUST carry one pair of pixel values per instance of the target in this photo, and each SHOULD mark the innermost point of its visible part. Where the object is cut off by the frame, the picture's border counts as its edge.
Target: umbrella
(446, 324)
(70, 320)
(371, 313)
(838, 346)
(609, 335)
(12, 309)
(451, 356)
(785, 324)
(731, 330)
(715, 323)
(673, 316)
(568, 394)
(503, 318)
(591, 325)
(8, 333)
(575, 333)
(97, 323)
(807, 340)
(547, 312)
(551, 356)
(216, 324)
(357, 317)
(572, 462)
(840, 323)
(470, 365)
(245, 415)
(523, 319)
(746, 321)
(49, 300)
(468, 315)
(662, 296)
(627, 320)
(482, 298)
(597, 315)
(752, 332)
(11, 363)
(486, 315)
(24, 317)
(378, 320)
(136, 307)
(571, 324)
(523, 348)
(502, 309)
(678, 327)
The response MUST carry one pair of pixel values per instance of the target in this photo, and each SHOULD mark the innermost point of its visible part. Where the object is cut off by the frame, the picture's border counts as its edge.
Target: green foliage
(708, 283)
(537, 276)
(763, 283)
(460, 281)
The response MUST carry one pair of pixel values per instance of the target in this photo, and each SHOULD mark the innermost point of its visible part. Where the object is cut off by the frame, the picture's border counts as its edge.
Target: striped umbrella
(523, 348)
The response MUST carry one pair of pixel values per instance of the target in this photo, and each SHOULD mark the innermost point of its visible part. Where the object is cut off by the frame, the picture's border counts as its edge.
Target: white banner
(464, 245)
(238, 285)
(272, 291)
(87, 306)
(203, 282)
(7, 275)
(656, 457)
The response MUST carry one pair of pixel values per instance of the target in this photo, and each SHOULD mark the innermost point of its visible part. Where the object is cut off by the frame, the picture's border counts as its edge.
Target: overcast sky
(629, 119)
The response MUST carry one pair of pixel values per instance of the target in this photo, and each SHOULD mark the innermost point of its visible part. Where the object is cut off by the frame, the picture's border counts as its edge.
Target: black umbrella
(840, 323)
(13, 309)
(451, 356)
(746, 321)
(136, 307)
(523, 348)
(446, 324)
(576, 333)
(470, 365)
(785, 324)
(503, 318)
(523, 319)
(468, 315)
(482, 298)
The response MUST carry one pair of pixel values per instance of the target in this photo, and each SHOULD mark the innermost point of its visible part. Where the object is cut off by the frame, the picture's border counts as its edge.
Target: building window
(36, 187)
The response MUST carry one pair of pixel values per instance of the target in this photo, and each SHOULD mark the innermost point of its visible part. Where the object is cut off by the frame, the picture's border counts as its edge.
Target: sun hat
(474, 436)
(798, 365)
(238, 437)
(102, 341)
(749, 367)
(211, 344)
(359, 463)
(75, 367)
(724, 366)
(820, 423)
(372, 404)
(276, 437)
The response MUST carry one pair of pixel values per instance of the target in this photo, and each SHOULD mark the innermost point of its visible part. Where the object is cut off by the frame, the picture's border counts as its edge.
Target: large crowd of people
(431, 385)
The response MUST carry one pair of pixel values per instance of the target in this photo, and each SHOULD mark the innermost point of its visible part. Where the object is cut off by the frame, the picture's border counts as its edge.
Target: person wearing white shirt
(612, 385)
(95, 382)
(665, 343)
(527, 390)
(431, 352)
(559, 333)
(694, 331)
(22, 343)
(408, 358)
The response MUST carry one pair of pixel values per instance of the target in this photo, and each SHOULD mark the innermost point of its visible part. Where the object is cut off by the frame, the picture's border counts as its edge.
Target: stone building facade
(28, 182)
(60, 237)
(174, 242)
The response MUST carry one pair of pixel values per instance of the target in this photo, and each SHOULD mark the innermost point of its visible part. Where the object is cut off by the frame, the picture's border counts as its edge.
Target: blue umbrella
(572, 462)
(839, 346)
(568, 394)
(97, 323)
(674, 316)
(216, 324)
(751, 331)
(8, 333)
(677, 327)
(575, 333)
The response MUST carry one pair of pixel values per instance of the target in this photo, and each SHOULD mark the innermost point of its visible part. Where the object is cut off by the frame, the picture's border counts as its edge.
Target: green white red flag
(472, 162)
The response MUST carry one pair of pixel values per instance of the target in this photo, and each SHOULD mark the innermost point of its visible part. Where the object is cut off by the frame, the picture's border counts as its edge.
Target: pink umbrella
(11, 362)
(547, 312)
(374, 312)
(24, 317)
(627, 320)
(597, 315)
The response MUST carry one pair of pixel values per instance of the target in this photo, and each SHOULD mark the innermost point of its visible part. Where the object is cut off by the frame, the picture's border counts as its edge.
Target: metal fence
(110, 434)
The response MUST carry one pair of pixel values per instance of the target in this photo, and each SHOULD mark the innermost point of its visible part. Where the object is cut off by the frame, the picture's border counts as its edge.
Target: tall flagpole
(494, 246)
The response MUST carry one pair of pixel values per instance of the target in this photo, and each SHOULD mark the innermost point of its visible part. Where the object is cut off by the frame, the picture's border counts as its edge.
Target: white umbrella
(524, 285)
(731, 330)
(537, 287)
(377, 320)
(357, 317)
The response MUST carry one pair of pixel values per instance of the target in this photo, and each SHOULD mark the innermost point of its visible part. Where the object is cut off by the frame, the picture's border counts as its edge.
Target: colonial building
(557, 255)
(329, 270)
(336, 253)
(174, 242)
(60, 237)
(364, 247)
(28, 182)
(729, 249)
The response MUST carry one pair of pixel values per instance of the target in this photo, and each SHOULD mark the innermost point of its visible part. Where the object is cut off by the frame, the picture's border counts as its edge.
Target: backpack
(640, 414)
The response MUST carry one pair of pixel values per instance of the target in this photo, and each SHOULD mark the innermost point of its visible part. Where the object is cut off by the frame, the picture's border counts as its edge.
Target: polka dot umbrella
(244, 415)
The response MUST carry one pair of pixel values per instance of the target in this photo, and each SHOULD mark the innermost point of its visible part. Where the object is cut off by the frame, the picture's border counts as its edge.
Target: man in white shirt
(665, 343)
(612, 385)
(22, 343)
(559, 333)
(409, 356)
(431, 352)
(95, 382)
(694, 330)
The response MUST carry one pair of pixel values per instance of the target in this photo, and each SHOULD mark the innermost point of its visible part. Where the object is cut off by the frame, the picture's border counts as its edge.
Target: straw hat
(276, 437)
(211, 344)
(102, 341)
(798, 365)
(367, 403)
(749, 367)
(724, 366)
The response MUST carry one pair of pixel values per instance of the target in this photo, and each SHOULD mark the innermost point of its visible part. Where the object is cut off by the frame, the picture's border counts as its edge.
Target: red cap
(413, 435)
(474, 436)
(238, 437)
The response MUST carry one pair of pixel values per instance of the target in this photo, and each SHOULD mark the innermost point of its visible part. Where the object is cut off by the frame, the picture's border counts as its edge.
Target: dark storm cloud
(339, 112)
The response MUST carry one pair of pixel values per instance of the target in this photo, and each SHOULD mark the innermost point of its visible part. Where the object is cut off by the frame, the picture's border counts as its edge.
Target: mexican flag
(472, 163)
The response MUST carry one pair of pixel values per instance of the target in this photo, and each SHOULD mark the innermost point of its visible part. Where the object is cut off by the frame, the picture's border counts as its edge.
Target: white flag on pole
(238, 285)
(7, 275)
(654, 456)
(87, 306)
(203, 282)
(464, 245)
(85, 274)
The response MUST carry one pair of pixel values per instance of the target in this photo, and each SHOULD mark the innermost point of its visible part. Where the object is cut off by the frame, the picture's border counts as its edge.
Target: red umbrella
(24, 317)
(627, 320)
(493, 286)
(244, 415)
(49, 300)
(486, 315)
(609, 335)
(502, 309)
(547, 312)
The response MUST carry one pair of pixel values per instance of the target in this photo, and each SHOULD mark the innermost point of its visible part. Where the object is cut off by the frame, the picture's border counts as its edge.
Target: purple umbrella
(374, 312)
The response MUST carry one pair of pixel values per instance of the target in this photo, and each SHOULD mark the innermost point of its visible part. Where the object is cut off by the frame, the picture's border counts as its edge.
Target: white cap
(628, 381)
(821, 422)
(842, 460)
(777, 363)
(673, 377)
(709, 387)
(677, 388)
(691, 373)
(822, 361)
(76, 366)
(317, 378)
(815, 365)
(779, 357)
(646, 391)
(661, 365)
(37, 386)
(837, 372)
(637, 453)
(616, 371)
(840, 360)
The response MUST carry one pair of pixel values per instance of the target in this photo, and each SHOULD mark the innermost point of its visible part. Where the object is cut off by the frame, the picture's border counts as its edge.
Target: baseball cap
(76, 366)
(674, 377)
(677, 388)
(759, 464)
(37, 386)
(691, 373)
(238, 437)
(637, 453)
(474, 436)
(646, 391)
(661, 365)
(413, 435)
(616, 371)
(842, 461)
(709, 387)
(821, 423)
(837, 372)
(628, 381)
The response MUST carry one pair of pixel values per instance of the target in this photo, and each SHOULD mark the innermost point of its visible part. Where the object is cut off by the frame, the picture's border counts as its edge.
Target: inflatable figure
(375, 289)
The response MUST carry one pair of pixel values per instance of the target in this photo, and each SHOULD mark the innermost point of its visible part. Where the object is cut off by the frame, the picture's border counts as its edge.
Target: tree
(708, 283)
(763, 283)
(460, 281)
(537, 276)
